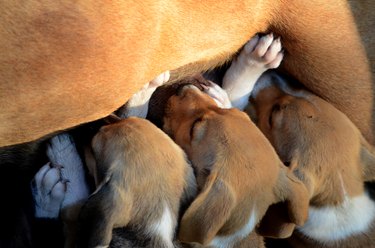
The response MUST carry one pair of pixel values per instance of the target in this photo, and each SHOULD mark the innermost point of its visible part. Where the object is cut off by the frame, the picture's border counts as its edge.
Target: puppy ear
(190, 187)
(276, 222)
(208, 212)
(291, 209)
(112, 118)
(367, 157)
(98, 215)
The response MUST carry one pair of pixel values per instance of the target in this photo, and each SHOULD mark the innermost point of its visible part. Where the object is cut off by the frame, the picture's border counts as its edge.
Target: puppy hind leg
(62, 152)
(48, 190)
(257, 56)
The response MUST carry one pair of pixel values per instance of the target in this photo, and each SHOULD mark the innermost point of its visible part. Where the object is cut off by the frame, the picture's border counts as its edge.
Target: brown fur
(234, 179)
(323, 147)
(133, 188)
(66, 63)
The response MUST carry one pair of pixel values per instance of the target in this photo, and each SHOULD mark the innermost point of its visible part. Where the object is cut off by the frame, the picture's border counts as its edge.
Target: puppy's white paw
(219, 95)
(138, 103)
(261, 53)
(48, 189)
(160, 80)
(62, 152)
(258, 55)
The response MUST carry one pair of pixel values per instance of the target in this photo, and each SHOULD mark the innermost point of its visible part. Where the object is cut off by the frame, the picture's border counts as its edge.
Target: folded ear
(208, 212)
(276, 222)
(112, 118)
(99, 213)
(291, 209)
(190, 187)
(367, 157)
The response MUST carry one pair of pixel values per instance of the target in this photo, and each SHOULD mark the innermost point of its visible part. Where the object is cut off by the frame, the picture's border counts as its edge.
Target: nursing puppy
(141, 177)
(60, 187)
(328, 153)
(238, 174)
(260, 53)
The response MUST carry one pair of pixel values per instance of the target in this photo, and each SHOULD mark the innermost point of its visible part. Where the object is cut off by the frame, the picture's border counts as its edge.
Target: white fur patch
(165, 227)
(329, 224)
(229, 241)
(263, 82)
(271, 78)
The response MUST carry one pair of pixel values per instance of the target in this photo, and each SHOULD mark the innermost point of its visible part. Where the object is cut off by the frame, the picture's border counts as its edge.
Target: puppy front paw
(62, 152)
(159, 80)
(137, 105)
(262, 53)
(258, 55)
(48, 190)
(219, 95)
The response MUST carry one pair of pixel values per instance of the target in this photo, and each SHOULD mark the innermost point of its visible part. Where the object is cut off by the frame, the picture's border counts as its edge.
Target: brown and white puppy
(258, 55)
(238, 173)
(328, 153)
(60, 188)
(141, 177)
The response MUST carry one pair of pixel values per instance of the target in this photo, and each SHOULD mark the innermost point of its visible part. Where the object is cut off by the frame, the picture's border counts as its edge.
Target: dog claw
(219, 95)
(61, 182)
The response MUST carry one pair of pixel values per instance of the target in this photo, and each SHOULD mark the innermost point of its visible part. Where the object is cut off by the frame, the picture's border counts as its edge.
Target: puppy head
(238, 181)
(135, 144)
(317, 141)
(162, 94)
(206, 132)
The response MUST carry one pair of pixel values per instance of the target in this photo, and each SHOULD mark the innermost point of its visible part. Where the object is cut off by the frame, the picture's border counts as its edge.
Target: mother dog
(64, 63)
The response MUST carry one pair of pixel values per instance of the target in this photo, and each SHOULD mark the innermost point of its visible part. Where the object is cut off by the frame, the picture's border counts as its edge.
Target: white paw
(62, 152)
(265, 52)
(160, 80)
(258, 55)
(218, 94)
(137, 105)
(48, 189)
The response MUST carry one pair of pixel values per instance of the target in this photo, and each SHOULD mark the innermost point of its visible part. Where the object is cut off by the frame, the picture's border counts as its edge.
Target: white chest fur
(165, 227)
(328, 224)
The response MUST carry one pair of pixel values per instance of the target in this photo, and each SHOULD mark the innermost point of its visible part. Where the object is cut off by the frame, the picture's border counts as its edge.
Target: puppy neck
(355, 215)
